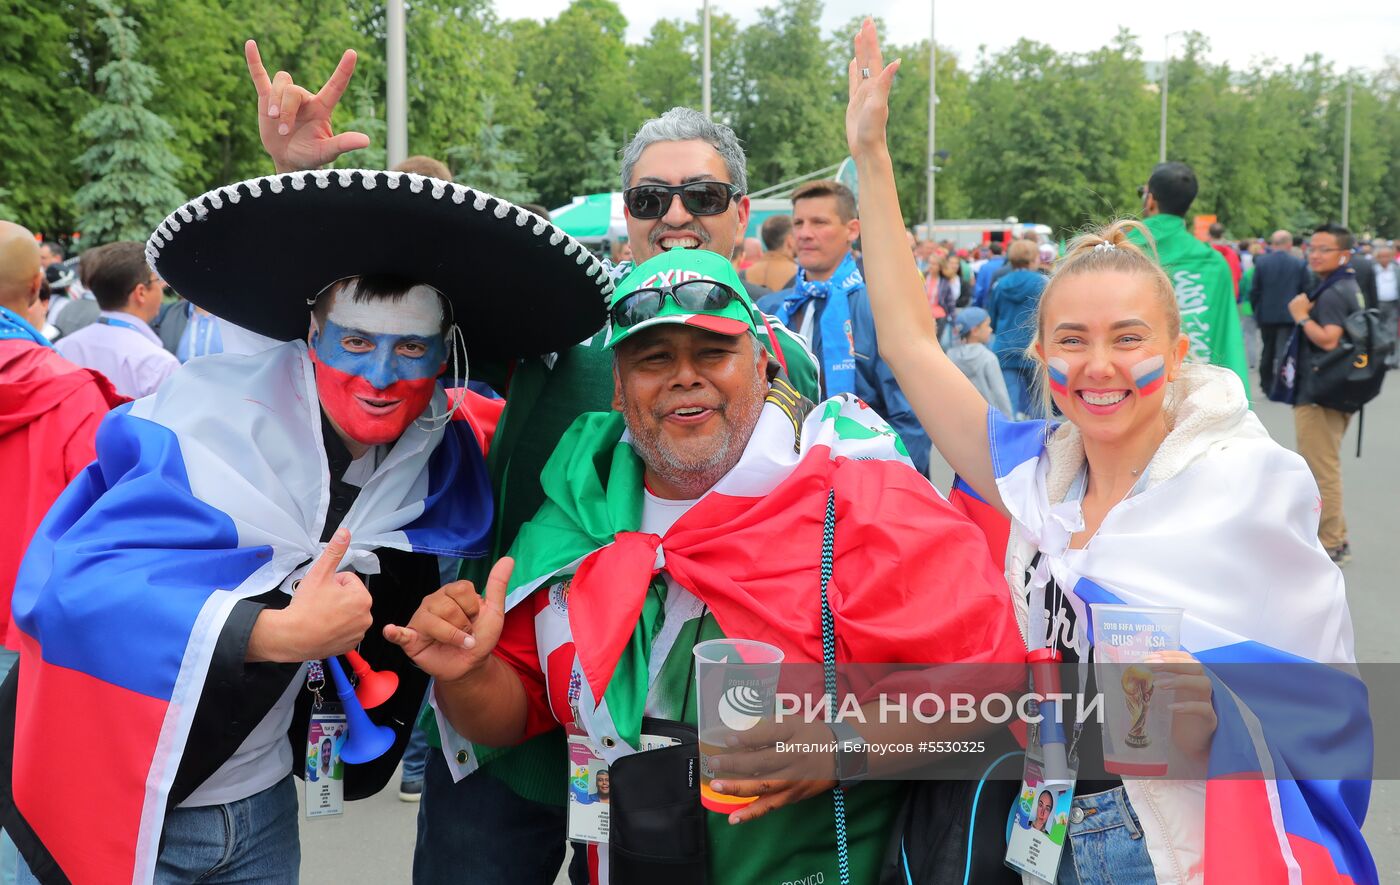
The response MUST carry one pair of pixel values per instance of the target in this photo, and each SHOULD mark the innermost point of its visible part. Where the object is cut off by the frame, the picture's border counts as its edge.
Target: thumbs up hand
(328, 615)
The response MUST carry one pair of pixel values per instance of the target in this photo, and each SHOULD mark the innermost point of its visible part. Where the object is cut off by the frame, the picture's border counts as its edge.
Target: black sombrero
(255, 251)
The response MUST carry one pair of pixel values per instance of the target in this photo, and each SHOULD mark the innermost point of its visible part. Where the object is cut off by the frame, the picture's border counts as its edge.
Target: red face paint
(368, 415)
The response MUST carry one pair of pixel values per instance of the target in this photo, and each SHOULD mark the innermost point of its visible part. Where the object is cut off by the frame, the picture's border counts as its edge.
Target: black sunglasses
(700, 296)
(648, 201)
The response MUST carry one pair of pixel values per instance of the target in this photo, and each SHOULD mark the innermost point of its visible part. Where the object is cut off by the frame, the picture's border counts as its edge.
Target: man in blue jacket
(828, 306)
(1012, 306)
(987, 274)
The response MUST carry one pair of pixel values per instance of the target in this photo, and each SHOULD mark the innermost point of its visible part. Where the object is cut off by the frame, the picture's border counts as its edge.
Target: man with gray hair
(684, 186)
(1278, 276)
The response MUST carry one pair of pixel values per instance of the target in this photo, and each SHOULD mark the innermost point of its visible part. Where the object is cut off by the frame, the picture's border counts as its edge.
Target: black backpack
(1350, 375)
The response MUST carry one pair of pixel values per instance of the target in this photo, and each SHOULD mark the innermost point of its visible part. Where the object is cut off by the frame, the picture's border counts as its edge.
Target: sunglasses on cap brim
(696, 296)
(647, 201)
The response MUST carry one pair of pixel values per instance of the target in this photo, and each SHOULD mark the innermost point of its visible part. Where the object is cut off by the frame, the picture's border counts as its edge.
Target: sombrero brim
(254, 252)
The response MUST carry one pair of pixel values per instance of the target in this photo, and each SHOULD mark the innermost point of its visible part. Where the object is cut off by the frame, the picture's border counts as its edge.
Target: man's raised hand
(295, 125)
(868, 109)
(454, 631)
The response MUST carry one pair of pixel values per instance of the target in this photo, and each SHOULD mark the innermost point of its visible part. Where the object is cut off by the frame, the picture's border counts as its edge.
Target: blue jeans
(9, 857)
(1106, 846)
(482, 825)
(415, 755)
(253, 841)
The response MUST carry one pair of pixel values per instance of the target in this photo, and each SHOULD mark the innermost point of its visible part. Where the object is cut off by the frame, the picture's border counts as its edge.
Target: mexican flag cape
(1205, 290)
(912, 582)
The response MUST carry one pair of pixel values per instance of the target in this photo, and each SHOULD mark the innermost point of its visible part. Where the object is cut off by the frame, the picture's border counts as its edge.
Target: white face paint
(419, 312)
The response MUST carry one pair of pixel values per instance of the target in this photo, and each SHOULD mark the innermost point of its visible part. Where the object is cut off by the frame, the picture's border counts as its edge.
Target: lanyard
(109, 321)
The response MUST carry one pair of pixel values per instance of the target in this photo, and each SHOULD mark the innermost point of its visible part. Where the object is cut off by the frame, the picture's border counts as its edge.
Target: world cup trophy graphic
(1137, 689)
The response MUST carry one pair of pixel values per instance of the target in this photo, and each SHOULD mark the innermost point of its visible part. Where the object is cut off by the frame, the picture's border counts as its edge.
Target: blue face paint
(383, 364)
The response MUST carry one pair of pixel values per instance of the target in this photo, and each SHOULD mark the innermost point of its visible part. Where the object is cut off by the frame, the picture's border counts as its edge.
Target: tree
(457, 62)
(908, 132)
(666, 68)
(38, 104)
(1386, 86)
(1060, 139)
(577, 67)
(785, 109)
(601, 171)
(368, 120)
(129, 165)
(489, 162)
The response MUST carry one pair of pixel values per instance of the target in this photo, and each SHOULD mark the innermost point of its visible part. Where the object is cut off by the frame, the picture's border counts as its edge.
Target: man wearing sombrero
(177, 600)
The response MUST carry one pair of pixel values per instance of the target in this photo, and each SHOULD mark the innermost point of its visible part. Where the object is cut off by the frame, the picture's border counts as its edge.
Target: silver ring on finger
(865, 73)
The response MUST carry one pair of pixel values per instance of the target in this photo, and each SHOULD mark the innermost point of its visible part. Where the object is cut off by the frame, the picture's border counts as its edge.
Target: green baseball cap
(674, 268)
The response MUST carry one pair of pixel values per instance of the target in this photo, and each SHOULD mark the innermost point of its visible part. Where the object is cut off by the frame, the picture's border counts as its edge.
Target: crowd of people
(529, 481)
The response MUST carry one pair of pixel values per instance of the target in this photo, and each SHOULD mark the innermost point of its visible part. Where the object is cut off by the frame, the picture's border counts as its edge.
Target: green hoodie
(1205, 290)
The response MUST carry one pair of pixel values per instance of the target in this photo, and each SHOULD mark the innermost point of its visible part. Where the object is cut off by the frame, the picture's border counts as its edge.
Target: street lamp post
(397, 99)
(1166, 70)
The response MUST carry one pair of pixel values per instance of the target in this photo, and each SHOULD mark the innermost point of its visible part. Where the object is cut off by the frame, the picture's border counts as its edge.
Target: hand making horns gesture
(294, 124)
(454, 630)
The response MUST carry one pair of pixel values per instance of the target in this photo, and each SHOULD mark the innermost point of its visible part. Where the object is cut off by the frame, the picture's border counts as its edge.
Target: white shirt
(658, 515)
(1388, 282)
(123, 348)
(265, 756)
(261, 761)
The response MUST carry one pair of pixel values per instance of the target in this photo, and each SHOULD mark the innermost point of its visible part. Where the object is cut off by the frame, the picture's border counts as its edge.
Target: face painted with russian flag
(377, 361)
(1110, 348)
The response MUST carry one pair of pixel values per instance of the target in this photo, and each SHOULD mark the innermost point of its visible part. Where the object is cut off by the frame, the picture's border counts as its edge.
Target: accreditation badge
(1039, 820)
(325, 735)
(590, 784)
(590, 790)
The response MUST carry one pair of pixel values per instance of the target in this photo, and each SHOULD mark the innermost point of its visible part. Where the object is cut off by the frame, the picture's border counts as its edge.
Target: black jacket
(1278, 278)
(1366, 279)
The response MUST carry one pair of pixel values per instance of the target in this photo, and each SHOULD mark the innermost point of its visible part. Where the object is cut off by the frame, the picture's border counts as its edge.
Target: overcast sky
(1350, 34)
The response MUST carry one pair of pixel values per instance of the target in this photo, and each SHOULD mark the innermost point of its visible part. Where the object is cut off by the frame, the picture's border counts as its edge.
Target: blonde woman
(1160, 488)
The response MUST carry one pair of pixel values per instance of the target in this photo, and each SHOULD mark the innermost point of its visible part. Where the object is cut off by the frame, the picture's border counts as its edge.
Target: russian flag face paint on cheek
(1057, 370)
(1149, 375)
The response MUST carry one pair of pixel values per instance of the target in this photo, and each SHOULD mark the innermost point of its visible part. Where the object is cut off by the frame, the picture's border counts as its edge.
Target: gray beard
(697, 475)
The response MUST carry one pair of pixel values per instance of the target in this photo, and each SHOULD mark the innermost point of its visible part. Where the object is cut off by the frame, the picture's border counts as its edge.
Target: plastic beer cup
(1137, 723)
(736, 686)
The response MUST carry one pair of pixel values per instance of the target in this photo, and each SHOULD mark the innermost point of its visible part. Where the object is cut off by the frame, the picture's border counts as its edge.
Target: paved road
(373, 842)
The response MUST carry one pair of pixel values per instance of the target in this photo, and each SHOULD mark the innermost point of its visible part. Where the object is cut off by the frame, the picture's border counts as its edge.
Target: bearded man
(713, 501)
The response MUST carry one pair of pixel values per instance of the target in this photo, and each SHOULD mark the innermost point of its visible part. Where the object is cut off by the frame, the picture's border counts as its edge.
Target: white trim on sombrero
(201, 206)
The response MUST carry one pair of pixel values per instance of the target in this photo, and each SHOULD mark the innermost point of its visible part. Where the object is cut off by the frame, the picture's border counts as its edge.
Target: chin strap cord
(455, 345)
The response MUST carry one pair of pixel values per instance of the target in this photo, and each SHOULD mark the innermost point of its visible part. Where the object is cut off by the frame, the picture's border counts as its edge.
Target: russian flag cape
(211, 491)
(1226, 528)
